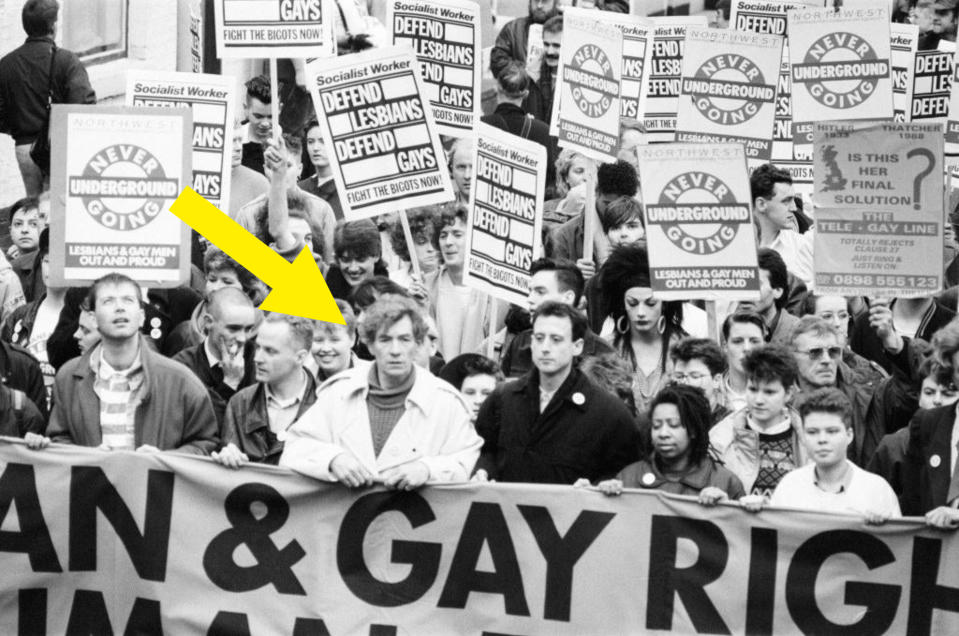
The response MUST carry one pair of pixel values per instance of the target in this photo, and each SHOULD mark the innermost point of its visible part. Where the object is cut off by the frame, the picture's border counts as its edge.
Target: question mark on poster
(917, 182)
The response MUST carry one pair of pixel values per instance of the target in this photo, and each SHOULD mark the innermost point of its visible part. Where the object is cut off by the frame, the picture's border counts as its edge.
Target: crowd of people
(799, 399)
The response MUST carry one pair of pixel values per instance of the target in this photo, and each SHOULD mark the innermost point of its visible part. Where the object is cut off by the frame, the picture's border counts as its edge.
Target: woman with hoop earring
(645, 328)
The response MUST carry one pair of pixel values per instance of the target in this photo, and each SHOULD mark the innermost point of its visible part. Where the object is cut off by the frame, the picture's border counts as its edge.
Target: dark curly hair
(694, 414)
(763, 180)
(424, 223)
(617, 178)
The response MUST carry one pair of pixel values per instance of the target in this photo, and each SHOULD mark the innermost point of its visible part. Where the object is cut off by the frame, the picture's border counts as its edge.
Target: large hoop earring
(661, 325)
(619, 325)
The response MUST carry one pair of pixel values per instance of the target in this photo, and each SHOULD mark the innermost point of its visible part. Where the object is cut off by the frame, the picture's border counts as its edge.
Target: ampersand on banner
(272, 564)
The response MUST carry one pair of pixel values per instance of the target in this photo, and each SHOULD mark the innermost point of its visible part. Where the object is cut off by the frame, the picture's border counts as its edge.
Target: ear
(578, 347)
(778, 292)
(759, 204)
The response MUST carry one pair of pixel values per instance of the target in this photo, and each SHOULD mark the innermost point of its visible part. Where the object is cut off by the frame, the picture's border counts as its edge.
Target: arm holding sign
(284, 242)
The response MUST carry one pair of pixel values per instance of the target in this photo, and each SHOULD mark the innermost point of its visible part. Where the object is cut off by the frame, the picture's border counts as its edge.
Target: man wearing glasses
(816, 347)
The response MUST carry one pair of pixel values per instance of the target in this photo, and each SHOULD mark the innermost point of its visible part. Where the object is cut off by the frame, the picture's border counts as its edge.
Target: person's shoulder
(870, 480)
(186, 355)
(343, 383)
(798, 477)
(177, 372)
(19, 354)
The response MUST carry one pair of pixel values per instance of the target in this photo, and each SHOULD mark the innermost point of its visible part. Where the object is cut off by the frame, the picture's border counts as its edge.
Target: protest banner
(380, 131)
(841, 68)
(115, 173)
(272, 552)
(699, 228)
(728, 91)
(588, 84)
(879, 216)
(952, 123)
(211, 98)
(446, 40)
(905, 39)
(274, 28)
(509, 183)
(932, 84)
(663, 83)
(802, 175)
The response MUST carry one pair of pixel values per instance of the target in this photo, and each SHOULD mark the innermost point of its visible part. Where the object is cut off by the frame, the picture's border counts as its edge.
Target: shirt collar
(211, 357)
(843, 483)
(102, 368)
(271, 397)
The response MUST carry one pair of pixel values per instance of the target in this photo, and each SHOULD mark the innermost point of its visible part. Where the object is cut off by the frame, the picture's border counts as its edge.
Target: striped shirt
(119, 393)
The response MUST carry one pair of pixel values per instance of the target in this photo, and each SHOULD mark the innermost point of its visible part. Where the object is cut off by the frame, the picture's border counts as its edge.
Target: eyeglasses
(817, 353)
(692, 377)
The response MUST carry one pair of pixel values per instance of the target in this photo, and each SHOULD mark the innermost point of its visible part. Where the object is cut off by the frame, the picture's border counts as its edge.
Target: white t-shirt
(452, 305)
(862, 491)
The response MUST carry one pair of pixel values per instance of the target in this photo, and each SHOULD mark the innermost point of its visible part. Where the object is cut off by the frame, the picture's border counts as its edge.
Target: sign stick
(275, 100)
(490, 339)
(712, 326)
(414, 261)
(589, 218)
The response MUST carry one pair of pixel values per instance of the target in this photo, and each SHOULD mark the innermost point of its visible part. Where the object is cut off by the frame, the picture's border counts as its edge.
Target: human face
(817, 358)
(276, 357)
(355, 269)
(766, 400)
(230, 330)
(25, 230)
(540, 10)
(394, 349)
(642, 311)
(260, 116)
(766, 305)
(670, 438)
(695, 373)
(578, 170)
(453, 243)
(545, 286)
(944, 21)
(474, 390)
(628, 233)
(923, 17)
(301, 231)
(834, 310)
(219, 279)
(236, 158)
(331, 348)
(463, 170)
(551, 44)
(826, 437)
(86, 334)
(553, 347)
(45, 270)
(933, 394)
(426, 254)
(603, 201)
(743, 338)
(118, 311)
(779, 209)
(43, 211)
(627, 146)
(316, 148)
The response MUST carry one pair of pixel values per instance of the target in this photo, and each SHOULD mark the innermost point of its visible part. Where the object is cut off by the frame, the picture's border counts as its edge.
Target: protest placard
(446, 40)
(270, 551)
(663, 83)
(879, 215)
(952, 122)
(588, 84)
(384, 147)
(274, 28)
(905, 38)
(841, 67)
(932, 83)
(509, 182)
(211, 98)
(699, 227)
(637, 54)
(802, 175)
(728, 91)
(116, 171)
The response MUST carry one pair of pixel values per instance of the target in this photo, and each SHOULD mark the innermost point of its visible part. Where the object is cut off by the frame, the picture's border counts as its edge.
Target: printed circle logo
(590, 75)
(698, 213)
(123, 187)
(728, 89)
(840, 70)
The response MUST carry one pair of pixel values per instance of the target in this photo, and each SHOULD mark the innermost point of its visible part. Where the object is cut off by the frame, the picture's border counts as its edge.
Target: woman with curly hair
(424, 226)
(644, 328)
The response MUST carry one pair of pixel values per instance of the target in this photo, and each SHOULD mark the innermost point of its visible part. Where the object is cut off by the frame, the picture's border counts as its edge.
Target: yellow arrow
(292, 283)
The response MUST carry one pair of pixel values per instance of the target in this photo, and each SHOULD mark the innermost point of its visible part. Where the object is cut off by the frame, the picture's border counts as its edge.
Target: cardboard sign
(905, 38)
(211, 98)
(590, 70)
(802, 175)
(274, 28)
(380, 131)
(446, 40)
(932, 84)
(952, 125)
(841, 67)
(699, 227)
(509, 183)
(879, 220)
(663, 81)
(728, 89)
(116, 171)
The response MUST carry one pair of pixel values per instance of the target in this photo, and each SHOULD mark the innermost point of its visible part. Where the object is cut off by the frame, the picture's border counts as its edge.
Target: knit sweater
(386, 407)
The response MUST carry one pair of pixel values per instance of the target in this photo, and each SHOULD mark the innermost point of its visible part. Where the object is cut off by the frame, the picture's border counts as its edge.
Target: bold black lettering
(881, 601)
(89, 615)
(229, 624)
(668, 581)
(485, 524)
(90, 490)
(32, 611)
(761, 595)
(423, 557)
(926, 594)
(144, 618)
(382, 630)
(310, 627)
(18, 486)
(562, 552)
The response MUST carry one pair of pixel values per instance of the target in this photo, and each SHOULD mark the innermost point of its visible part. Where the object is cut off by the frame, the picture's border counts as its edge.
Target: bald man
(223, 361)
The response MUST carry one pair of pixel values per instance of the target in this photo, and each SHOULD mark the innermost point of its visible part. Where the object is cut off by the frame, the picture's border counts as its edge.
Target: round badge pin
(578, 398)
(156, 334)
(935, 460)
(155, 322)
(649, 478)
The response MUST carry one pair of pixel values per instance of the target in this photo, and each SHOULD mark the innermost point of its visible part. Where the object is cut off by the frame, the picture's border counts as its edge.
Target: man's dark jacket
(195, 359)
(513, 119)
(327, 192)
(926, 475)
